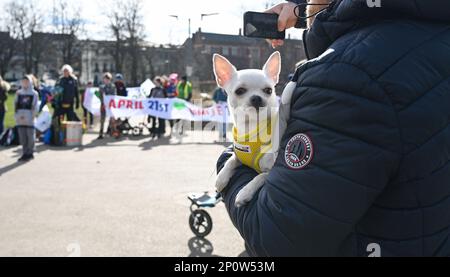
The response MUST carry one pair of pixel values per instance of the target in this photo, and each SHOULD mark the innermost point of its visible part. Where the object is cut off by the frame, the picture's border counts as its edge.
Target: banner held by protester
(168, 108)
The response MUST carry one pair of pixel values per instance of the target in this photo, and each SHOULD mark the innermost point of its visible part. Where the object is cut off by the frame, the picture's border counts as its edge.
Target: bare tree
(26, 21)
(7, 50)
(134, 34)
(68, 23)
(116, 26)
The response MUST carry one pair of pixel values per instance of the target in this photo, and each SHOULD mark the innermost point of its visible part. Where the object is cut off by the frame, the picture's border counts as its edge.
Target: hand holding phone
(272, 23)
(262, 25)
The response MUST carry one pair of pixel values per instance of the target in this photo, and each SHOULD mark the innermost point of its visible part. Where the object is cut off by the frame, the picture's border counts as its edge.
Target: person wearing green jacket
(184, 89)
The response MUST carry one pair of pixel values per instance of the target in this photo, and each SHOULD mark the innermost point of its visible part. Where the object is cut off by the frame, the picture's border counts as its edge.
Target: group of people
(66, 97)
(168, 87)
(165, 87)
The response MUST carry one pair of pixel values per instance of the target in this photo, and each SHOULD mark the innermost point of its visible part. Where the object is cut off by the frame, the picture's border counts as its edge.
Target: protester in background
(36, 83)
(171, 86)
(88, 118)
(26, 106)
(120, 85)
(68, 83)
(171, 91)
(158, 92)
(184, 89)
(107, 89)
(121, 91)
(45, 95)
(4, 88)
(220, 97)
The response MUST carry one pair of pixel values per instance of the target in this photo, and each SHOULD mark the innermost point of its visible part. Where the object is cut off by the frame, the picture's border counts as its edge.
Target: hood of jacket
(343, 16)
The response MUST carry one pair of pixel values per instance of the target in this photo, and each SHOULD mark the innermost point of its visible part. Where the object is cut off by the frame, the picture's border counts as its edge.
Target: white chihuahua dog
(258, 126)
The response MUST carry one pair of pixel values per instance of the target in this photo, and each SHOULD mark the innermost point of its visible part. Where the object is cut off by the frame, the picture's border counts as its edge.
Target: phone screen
(262, 25)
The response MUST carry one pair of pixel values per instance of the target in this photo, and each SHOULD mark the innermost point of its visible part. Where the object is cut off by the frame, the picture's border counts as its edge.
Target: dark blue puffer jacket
(373, 102)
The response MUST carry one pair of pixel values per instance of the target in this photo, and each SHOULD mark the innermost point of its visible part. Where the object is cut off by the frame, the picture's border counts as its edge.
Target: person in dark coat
(364, 166)
(4, 88)
(220, 97)
(88, 117)
(107, 89)
(158, 92)
(70, 98)
(120, 85)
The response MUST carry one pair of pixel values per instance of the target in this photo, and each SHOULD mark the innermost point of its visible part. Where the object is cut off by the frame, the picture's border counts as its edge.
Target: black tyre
(201, 223)
(137, 131)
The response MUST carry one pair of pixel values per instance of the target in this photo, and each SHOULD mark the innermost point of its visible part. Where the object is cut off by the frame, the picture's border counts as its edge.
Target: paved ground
(111, 198)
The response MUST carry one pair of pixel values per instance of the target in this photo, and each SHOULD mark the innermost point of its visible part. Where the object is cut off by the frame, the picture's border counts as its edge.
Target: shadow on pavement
(200, 248)
(10, 167)
(148, 145)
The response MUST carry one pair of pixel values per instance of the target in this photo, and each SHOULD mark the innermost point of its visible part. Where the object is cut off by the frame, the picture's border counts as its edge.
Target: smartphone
(262, 25)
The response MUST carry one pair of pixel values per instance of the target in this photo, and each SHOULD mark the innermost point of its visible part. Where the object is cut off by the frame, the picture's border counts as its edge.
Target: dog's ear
(272, 68)
(223, 70)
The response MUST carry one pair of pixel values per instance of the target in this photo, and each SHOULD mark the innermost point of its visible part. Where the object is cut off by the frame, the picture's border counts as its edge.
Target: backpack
(10, 137)
(56, 133)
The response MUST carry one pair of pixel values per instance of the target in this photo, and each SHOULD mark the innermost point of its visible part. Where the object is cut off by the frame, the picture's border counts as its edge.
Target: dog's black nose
(256, 101)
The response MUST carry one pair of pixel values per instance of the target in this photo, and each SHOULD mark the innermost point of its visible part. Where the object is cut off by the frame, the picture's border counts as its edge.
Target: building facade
(242, 51)
(92, 58)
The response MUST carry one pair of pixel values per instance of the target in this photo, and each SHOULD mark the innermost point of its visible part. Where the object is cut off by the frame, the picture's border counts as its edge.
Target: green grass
(9, 117)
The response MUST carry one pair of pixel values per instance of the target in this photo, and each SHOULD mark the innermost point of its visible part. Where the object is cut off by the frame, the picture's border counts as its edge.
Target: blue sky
(163, 29)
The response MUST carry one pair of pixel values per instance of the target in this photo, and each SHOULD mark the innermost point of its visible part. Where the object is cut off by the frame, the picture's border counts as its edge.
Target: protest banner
(172, 108)
(137, 105)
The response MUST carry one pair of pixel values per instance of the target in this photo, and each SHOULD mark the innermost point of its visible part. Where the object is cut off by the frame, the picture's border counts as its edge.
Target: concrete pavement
(111, 198)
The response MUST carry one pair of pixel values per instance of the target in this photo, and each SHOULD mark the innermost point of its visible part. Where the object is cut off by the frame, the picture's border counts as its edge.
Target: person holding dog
(363, 168)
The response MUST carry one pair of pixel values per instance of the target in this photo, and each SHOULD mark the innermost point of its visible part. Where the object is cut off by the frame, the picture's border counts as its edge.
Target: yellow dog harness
(250, 148)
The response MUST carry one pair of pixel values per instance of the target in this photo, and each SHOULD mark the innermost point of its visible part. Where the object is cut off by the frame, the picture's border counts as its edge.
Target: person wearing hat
(106, 89)
(184, 89)
(70, 98)
(120, 85)
(26, 107)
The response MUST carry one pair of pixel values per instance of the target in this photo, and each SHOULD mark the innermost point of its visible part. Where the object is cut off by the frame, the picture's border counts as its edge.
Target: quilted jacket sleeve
(355, 138)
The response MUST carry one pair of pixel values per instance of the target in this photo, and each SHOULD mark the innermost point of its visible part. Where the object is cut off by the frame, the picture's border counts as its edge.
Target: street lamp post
(203, 15)
(190, 54)
(189, 22)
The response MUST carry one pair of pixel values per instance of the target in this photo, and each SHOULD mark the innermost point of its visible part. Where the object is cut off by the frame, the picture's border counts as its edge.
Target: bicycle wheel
(201, 223)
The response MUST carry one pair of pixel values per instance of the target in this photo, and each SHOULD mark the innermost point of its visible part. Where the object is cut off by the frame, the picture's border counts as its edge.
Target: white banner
(173, 108)
(43, 122)
(146, 88)
(92, 101)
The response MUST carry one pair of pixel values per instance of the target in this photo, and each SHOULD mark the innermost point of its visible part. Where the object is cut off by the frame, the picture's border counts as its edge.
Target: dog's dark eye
(268, 91)
(240, 91)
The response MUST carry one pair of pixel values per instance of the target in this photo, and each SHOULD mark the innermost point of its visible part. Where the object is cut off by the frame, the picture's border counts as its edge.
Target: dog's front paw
(248, 192)
(244, 197)
(222, 181)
